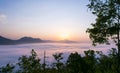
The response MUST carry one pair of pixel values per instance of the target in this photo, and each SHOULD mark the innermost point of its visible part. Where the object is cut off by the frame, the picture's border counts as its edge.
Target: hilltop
(23, 40)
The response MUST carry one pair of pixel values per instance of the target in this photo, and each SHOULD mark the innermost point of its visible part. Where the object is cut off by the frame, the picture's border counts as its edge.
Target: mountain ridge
(25, 40)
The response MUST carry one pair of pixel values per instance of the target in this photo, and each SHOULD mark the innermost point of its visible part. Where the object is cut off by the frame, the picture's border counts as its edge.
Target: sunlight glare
(64, 36)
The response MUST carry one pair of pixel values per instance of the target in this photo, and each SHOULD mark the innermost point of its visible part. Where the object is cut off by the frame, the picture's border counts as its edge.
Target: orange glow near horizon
(59, 34)
(64, 36)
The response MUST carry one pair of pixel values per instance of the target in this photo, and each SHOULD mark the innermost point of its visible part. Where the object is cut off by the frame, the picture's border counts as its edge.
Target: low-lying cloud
(3, 18)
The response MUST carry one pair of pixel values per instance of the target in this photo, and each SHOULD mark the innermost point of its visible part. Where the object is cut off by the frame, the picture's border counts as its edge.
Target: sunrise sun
(64, 36)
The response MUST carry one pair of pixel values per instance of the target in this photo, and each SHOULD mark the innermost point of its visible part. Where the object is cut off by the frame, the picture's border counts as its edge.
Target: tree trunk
(118, 39)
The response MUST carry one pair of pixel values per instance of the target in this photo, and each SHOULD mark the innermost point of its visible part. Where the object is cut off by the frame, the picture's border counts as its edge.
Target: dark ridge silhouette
(5, 41)
(23, 40)
(29, 40)
(67, 41)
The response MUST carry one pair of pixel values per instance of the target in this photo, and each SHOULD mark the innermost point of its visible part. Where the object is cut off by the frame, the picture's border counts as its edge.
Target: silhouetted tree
(7, 69)
(29, 64)
(107, 21)
(107, 63)
(76, 64)
(90, 60)
(59, 65)
(107, 25)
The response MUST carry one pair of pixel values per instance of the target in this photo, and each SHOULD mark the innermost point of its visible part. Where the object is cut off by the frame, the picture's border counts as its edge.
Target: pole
(44, 64)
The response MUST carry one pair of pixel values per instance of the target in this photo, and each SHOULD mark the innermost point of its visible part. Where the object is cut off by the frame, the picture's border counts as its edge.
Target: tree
(7, 69)
(107, 25)
(107, 22)
(90, 60)
(76, 64)
(29, 64)
(108, 63)
(59, 65)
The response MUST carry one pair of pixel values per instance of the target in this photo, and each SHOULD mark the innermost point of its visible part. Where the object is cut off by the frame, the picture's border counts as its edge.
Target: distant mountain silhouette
(67, 41)
(23, 40)
(29, 40)
(5, 41)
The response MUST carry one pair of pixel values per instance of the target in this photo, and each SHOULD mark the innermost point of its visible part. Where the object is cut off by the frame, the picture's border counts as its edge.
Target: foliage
(91, 62)
(107, 25)
(7, 69)
(29, 64)
(76, 64)
(58, 58)
(107, 21)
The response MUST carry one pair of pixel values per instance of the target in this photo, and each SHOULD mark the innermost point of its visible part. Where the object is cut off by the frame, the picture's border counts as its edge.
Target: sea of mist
(11, 53)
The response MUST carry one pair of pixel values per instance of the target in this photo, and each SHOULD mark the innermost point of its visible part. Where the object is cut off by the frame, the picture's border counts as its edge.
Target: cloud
(3, 18)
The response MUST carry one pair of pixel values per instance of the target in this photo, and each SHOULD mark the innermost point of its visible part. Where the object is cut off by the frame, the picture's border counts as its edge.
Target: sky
(45, 19)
